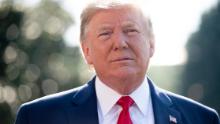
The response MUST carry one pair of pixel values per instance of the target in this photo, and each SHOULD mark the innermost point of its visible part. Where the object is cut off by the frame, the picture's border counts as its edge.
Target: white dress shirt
(141, 111)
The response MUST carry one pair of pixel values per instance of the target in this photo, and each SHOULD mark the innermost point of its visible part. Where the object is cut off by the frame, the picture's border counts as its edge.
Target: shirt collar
(107, 97)
(141, 96)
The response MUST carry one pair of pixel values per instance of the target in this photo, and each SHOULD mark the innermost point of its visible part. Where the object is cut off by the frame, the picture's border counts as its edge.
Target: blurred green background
(35, 61)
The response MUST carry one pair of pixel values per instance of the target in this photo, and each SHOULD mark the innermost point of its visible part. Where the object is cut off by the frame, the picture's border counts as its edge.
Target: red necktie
(125, 102)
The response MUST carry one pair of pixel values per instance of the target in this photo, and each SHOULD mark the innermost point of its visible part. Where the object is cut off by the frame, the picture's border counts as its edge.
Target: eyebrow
(129, 24)
(104, 27)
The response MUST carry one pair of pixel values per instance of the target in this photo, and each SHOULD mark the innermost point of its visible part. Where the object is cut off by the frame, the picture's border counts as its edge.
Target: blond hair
(93, 8)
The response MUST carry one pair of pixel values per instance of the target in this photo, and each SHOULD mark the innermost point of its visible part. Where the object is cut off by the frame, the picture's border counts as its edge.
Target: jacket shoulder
(193, 108)
(46, 107)
(187, 102)
(57, 98)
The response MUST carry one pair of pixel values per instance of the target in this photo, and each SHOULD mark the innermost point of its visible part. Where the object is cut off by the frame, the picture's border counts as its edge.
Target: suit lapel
(85, 100)
(164, 110)
(84, 110)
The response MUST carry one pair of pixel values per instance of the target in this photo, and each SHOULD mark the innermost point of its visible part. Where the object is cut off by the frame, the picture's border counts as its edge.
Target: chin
(125, 72)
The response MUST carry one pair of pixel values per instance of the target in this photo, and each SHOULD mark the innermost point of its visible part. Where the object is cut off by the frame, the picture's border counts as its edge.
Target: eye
(106, 33)
(131, 31)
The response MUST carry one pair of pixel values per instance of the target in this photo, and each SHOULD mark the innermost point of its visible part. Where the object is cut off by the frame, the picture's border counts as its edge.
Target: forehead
(123, 16)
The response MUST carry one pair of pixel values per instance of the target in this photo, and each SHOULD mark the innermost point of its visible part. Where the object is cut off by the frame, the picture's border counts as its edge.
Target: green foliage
(34, 60)
(201, 79)
(6, 117)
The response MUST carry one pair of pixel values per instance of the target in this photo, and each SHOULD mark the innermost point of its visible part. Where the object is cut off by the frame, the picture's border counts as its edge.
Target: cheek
(142, 52)
(98, 53)
(140, 46)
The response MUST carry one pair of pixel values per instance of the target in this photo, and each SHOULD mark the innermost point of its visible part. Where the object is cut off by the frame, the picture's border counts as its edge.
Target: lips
(120, 59)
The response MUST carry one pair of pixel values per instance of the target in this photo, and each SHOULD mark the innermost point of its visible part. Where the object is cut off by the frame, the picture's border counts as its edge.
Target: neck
(123, 86)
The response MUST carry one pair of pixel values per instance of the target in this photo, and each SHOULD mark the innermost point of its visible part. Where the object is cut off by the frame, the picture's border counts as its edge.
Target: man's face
(117, 44)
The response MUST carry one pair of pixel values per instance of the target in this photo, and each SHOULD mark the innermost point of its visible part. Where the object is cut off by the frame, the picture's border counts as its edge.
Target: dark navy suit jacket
(79, 106)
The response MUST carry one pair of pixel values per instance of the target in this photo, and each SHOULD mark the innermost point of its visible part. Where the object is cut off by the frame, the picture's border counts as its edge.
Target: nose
(120, 41)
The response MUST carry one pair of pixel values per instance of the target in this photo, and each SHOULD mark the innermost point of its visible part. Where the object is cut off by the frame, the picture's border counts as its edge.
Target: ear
(86, 52)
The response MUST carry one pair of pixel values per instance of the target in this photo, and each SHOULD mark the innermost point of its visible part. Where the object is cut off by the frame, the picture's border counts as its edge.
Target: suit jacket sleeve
(22, 116)
(216, 119)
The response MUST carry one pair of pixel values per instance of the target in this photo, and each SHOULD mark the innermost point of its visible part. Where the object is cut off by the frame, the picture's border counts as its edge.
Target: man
(118, 41)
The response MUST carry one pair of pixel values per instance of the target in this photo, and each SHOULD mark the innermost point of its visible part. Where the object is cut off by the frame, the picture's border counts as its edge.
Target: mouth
(122, 59)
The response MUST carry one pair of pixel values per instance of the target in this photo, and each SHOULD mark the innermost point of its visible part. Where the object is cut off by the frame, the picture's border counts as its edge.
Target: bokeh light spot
(32, 31)
(57, 68)
(22, 59)
(32, 73)
(196, 91)
(24, 92)
(12, 32)
(49, 86)
(54, 26)
(12, 72)
(1, 94)
(9, 94)
(35, 90)
(10, 54)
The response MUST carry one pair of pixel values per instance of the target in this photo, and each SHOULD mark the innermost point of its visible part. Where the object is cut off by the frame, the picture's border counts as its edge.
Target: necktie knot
(125, 101)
